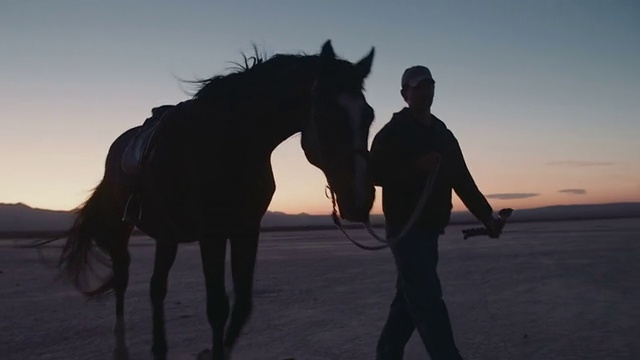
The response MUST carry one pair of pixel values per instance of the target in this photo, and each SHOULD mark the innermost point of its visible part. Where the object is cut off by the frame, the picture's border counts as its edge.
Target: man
(412, 147)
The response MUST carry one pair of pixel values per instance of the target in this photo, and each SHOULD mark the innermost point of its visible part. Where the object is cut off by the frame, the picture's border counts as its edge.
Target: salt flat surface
(566, 290)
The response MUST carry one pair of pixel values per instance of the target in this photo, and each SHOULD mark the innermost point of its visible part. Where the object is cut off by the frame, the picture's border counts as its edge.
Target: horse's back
(113, 166)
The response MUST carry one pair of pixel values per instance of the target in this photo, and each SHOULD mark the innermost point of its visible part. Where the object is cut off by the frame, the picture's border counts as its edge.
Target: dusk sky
(543, 96)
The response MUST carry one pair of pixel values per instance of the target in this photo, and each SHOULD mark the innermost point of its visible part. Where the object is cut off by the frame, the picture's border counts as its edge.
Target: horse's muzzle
(355, 207)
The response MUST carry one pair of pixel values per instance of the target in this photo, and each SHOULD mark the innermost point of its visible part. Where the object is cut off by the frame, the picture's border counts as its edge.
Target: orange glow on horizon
(530, 203)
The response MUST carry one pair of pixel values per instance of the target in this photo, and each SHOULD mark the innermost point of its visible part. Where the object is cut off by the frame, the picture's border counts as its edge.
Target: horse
(205, 175)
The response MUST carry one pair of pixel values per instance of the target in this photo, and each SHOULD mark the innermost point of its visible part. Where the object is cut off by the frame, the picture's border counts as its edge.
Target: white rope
(417, 211)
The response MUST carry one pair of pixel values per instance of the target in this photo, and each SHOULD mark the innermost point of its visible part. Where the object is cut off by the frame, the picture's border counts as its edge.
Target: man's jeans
(418, 302)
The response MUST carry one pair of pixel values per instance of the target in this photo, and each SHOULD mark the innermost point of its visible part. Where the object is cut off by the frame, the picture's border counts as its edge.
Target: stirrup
(132, 210)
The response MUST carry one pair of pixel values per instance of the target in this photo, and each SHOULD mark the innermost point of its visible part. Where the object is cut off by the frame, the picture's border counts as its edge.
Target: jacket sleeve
(466, 189)
(390, 163)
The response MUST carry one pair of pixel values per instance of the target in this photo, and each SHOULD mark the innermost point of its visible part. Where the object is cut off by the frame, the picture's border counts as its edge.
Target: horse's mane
(249, 69)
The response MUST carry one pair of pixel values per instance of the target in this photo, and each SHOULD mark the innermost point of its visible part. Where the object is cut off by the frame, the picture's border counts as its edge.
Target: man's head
(418, 87)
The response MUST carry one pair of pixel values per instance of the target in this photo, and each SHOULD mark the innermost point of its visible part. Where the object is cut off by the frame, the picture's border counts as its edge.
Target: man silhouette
(409, 149)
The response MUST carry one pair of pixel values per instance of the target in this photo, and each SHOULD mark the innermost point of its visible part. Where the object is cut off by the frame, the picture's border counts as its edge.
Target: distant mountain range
(19, 218)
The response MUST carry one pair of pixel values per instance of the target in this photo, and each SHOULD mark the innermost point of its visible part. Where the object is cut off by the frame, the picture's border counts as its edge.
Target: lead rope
(338, 223)
(428, 189)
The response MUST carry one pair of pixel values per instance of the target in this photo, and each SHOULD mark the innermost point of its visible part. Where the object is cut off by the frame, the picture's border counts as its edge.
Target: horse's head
(335, 136)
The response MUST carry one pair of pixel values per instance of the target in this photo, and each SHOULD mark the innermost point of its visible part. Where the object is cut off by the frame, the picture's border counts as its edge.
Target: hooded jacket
(394, 153)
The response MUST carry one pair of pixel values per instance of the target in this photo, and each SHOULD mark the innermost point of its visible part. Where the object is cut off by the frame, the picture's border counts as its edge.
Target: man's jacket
(394, 153)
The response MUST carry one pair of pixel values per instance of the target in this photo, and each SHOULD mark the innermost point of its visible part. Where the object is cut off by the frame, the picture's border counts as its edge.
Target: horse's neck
(279, 115)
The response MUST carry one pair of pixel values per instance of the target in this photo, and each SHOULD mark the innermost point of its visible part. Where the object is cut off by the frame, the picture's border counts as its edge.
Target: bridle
(321, 160)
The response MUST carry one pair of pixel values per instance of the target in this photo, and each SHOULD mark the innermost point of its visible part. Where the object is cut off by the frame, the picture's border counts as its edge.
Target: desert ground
(562, 290)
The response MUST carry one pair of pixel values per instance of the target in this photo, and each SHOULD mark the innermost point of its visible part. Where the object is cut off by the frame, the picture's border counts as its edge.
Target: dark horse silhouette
(206, 176)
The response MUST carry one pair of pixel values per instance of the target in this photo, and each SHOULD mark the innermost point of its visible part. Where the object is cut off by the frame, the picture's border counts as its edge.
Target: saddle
(134, 156)
(137, 149)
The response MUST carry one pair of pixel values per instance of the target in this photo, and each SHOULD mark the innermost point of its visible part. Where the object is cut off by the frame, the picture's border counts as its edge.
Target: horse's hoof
(205, 355)
(159, 352)
(119, 327)
(120, 353)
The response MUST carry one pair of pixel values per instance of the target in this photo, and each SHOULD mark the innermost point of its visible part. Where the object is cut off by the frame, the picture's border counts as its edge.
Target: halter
(311, 122)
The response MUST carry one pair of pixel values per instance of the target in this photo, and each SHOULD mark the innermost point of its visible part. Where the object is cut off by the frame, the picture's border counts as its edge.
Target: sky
(543, 96)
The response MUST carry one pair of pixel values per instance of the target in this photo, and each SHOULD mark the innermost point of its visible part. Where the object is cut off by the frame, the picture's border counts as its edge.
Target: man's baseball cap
(415, 74)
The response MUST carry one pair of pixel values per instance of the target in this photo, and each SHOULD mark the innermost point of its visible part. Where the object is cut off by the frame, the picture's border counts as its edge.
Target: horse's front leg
(244, 248)
(213, 252)
(165, 256)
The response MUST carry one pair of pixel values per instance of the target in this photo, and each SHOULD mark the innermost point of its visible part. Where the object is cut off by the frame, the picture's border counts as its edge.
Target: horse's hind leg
(244, 248)
(213, 253)
(120, 260)
(165, 257)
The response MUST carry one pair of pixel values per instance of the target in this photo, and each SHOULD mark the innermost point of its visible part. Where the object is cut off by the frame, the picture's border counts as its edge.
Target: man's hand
(494, 228)
(495, 225)
(428, 163)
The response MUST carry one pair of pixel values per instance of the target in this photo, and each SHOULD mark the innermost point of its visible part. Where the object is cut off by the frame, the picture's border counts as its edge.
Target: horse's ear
(364, 65)
(327, 51)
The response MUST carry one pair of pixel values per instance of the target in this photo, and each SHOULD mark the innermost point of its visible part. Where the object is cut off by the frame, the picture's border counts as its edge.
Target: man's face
(420, 97)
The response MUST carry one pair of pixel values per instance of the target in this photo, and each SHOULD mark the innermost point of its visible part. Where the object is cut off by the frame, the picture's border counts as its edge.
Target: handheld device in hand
(503, 216)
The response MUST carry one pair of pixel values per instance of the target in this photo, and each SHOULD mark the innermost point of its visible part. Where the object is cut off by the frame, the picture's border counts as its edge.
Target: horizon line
(372, 213)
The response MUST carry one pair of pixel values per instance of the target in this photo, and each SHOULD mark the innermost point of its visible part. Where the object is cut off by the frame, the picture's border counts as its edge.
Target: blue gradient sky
(542, 95)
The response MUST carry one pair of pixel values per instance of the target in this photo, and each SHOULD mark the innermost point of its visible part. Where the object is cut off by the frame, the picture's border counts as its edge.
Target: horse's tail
(88, 245)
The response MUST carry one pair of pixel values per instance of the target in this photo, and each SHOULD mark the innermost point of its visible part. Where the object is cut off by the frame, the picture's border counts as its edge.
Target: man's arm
(466, 189)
